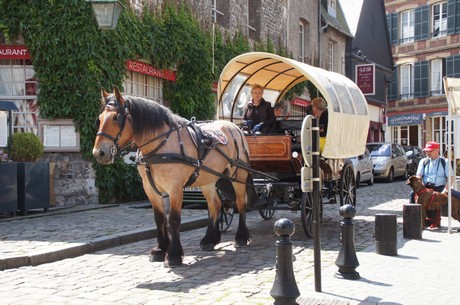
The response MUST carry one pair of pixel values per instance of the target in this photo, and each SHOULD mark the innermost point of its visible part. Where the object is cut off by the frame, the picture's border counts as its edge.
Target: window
(436, 77)
(254, 12)
(331, 56)
(146, 86)
(439, 26)
(301, 42)
(407, 26)
(19, 85)
(219, 9)
(331, 8)
(407, 86)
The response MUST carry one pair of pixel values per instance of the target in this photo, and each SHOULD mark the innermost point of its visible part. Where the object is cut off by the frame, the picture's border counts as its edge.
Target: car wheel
(391, 175)
(371, 181)
(358, 179)
(406, 174)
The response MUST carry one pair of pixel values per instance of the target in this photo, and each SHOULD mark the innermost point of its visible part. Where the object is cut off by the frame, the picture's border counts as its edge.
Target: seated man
(319, 109)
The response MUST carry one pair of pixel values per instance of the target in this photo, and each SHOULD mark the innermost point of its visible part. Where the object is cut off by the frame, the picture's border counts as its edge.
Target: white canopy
(348, 111)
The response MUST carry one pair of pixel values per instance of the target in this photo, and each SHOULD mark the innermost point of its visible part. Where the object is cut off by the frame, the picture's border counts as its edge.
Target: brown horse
(174, 153)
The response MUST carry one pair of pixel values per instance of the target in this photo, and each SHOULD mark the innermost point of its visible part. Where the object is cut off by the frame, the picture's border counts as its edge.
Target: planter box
(8, 188)
(33, 186)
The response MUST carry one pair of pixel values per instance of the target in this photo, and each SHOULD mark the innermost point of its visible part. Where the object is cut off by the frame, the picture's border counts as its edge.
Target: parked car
(414, 155)
(389, 160)
(363, 168)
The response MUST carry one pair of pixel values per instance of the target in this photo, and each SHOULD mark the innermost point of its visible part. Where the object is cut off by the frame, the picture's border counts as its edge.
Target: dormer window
(331, 8)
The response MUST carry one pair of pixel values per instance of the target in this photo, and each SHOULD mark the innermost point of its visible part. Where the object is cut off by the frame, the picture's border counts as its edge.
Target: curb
(97, 244)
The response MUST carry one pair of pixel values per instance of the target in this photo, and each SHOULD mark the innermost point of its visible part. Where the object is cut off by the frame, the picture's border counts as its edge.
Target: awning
(348, 110)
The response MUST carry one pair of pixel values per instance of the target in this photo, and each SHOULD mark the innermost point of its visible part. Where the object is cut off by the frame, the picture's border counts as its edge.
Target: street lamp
(106, 13)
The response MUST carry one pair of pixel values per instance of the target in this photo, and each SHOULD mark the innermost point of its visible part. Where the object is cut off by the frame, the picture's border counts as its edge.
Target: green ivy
(73, 59)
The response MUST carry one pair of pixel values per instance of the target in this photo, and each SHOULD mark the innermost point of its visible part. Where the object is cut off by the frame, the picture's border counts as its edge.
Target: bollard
(385, 234)
(284, 290)
(347, 260)
(412, 221)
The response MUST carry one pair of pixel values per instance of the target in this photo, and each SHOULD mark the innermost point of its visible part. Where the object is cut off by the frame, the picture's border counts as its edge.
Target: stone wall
(72, 180)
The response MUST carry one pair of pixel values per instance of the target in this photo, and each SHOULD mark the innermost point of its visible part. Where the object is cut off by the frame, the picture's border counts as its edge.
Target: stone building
(293, 24)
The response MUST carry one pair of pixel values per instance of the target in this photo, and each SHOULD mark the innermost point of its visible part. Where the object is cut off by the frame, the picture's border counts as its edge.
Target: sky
(352, 9)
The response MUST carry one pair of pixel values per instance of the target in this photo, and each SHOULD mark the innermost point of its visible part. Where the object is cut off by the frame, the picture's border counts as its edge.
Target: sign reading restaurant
(144, 68)
(365, 78)
(14, 52)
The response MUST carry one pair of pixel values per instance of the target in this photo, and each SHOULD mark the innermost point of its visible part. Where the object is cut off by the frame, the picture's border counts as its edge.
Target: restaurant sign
(14, 52)
(144, 68)
(405, 119)
(365, 78)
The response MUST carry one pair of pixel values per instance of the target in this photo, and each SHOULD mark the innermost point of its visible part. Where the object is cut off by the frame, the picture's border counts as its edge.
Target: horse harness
(204, 143)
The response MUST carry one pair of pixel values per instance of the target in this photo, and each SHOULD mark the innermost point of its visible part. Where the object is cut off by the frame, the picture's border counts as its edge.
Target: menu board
(59, 135)
(3, 128)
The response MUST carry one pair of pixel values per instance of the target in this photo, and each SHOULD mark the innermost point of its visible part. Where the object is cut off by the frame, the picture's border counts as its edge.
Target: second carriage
(277, 157)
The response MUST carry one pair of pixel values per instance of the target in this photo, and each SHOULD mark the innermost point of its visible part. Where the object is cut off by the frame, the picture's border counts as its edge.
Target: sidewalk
(69, 232)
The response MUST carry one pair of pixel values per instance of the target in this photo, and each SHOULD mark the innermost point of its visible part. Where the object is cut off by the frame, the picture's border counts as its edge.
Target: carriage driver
(319, 109)
(258, 112)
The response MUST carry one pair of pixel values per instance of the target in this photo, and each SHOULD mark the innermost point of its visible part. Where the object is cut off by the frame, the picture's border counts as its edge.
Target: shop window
(19, 85)
(407, 27)
(145, 86)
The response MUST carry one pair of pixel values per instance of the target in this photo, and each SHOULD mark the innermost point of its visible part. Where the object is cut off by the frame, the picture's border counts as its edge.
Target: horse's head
(113, 128)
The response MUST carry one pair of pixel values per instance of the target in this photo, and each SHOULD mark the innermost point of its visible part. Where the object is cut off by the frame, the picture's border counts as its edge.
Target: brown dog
(431, 200)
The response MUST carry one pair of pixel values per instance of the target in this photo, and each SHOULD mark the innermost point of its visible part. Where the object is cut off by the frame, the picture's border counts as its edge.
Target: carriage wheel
(268, 212)
(306, 213)
(347, 186)
(226, 215)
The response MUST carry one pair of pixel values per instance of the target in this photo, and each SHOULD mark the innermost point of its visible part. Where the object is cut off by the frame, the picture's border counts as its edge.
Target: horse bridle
(122, 114)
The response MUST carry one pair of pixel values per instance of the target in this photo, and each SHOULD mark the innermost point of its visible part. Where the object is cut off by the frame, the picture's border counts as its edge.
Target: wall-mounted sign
(365, 78)
(405, 119)
(59, 135)
(14, 52)
(144, 68)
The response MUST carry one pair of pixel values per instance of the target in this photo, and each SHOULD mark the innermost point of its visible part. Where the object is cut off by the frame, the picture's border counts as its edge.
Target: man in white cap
(434, 170)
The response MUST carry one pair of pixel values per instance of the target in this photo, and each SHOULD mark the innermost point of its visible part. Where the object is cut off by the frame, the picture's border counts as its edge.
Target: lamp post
(106, 13)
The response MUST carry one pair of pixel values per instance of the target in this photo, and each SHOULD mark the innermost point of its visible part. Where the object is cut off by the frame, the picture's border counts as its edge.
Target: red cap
(431, 146)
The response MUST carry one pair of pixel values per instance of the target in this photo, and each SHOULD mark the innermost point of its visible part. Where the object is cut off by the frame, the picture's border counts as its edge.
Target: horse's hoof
(207, 247)
(241, 243)
(157, 255)
(173, 262)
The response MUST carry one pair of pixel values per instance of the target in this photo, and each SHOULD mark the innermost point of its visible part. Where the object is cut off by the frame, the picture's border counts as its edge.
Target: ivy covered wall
(73, 59)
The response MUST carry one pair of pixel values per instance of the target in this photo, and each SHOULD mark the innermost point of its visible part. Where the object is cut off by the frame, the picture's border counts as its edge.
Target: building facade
(425, 38)
(314, 32)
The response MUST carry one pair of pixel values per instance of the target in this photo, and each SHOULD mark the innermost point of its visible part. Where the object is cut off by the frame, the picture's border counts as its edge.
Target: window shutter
(393, 86)
(453, 66)
(392, 22)
(421, 86)
(422, 23)
(453, 16)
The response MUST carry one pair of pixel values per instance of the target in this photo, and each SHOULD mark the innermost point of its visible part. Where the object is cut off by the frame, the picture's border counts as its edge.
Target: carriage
(277, 157)
(234, 170)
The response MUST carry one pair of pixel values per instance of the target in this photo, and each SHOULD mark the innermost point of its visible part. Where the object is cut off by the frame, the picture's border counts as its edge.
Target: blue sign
(405, 119)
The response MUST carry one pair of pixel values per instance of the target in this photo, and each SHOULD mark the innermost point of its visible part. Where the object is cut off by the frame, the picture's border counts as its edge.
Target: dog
(430, 199)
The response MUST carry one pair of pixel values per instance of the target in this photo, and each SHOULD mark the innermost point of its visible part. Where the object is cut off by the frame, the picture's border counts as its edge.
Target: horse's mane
(148, 115)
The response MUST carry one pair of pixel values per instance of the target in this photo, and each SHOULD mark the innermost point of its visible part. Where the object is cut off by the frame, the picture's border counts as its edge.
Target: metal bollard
(412, 221)
(284, 290)
(385, 234)
(347, 260)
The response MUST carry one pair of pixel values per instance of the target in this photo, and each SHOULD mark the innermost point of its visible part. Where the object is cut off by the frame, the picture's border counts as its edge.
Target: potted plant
(33, 176)
(8, 184)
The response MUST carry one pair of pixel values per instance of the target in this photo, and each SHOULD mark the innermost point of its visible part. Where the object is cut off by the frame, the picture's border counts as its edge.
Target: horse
(174, 153)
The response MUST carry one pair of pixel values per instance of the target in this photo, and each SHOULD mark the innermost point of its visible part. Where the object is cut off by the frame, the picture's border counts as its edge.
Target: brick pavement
(229, 275)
